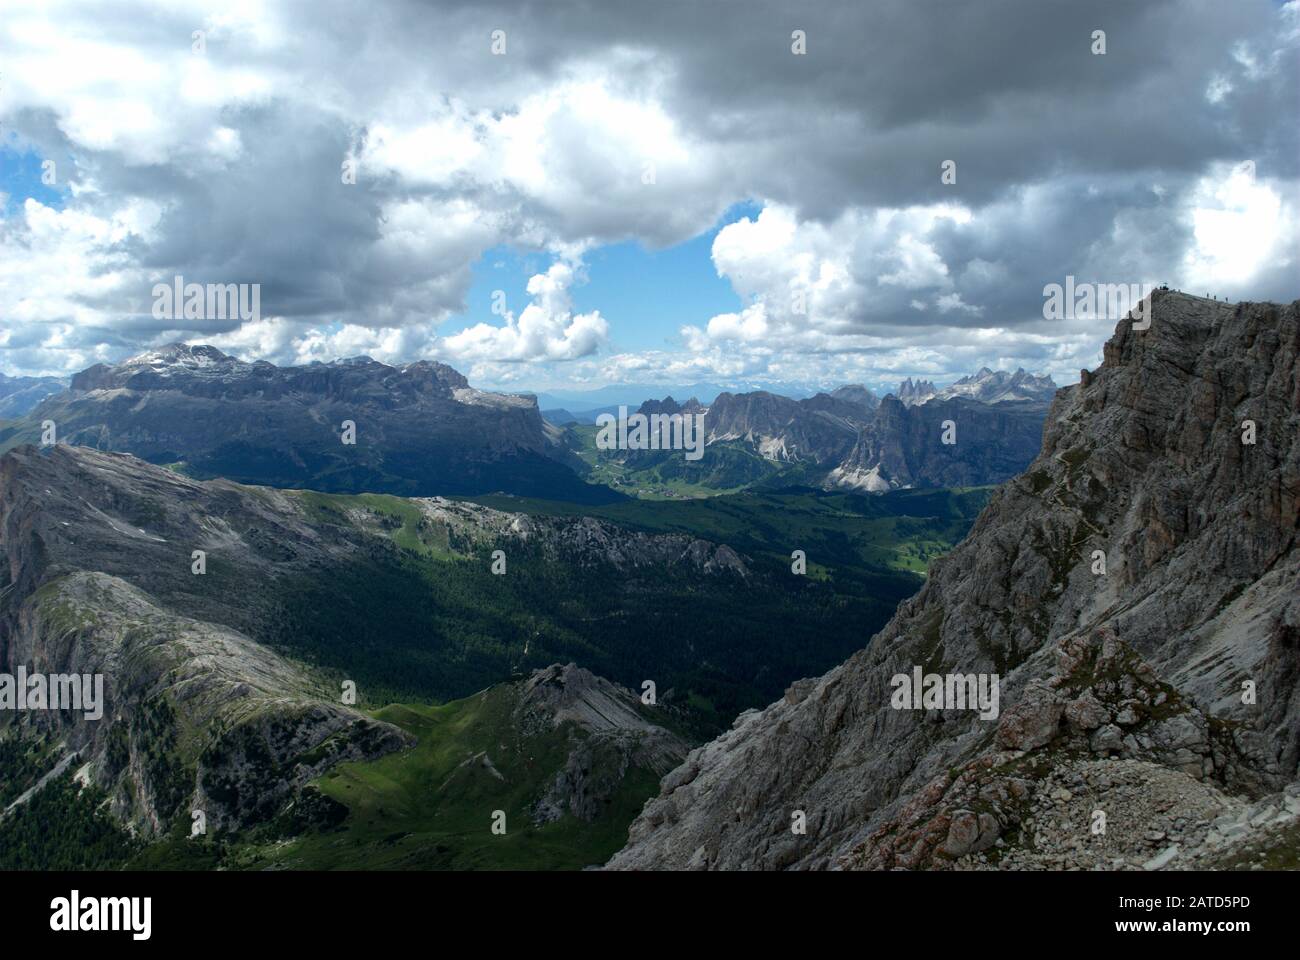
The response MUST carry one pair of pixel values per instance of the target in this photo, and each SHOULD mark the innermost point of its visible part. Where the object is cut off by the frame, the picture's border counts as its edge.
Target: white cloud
(431, 152)
(1240, 224)
(546, 329)
(228, 162)
(57, 267)
(810, 284)
(750, 325)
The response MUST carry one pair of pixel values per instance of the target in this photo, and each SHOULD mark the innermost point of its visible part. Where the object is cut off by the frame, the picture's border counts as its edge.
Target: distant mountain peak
(985, 385)
(670, 406)
(912, 393)
(184, 367)
(856, 393)
(20, 395)
(179, 352)
(419, 429)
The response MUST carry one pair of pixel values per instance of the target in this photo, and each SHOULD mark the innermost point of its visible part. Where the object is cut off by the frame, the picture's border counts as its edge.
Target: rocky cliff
(782, 429)
(841, 440)
(1135, 593)
(609, 735)
(955, 442)
(850, 440)
(918, 392)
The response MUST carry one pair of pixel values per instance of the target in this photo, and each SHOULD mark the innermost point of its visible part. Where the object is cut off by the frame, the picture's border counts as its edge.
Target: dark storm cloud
(887, 90)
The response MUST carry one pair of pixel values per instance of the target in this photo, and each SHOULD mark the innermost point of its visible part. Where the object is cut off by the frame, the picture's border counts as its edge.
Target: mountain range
(344, 678)
(847, 439)
(986, 386)
(19, 395)
(421, 429)
(415, 430)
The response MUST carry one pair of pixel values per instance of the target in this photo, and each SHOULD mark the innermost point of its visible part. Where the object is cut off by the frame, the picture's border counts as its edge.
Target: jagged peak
(179, 352)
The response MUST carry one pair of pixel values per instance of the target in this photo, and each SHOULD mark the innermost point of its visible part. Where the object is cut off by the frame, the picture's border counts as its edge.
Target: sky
(558, 196)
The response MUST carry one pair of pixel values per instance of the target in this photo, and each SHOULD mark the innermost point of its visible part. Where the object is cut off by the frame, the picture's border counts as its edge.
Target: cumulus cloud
(545, 329)
(942, 290)
(57, 270)
(611, 122)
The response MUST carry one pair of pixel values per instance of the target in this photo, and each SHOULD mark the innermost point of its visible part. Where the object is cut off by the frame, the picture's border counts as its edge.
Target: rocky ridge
(903, 446)
(849, 440)
(608, 736)
(986, 386)
(1180, 663)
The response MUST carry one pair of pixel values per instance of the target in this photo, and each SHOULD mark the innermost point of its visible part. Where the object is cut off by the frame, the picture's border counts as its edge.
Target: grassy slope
(400, 517)
(428, 808)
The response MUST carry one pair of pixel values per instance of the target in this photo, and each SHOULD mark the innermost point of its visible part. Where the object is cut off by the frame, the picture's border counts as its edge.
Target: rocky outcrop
(872, 447)
(913, 393)
(848, 439)
(580, 540)
(782, 429)
(1134, 591)
(609, 734)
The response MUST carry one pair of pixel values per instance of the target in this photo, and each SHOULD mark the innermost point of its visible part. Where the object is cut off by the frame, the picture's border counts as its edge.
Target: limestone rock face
(850, 440)
(782, 429)
(609, 734)
(902, 445)
(1178, 663)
